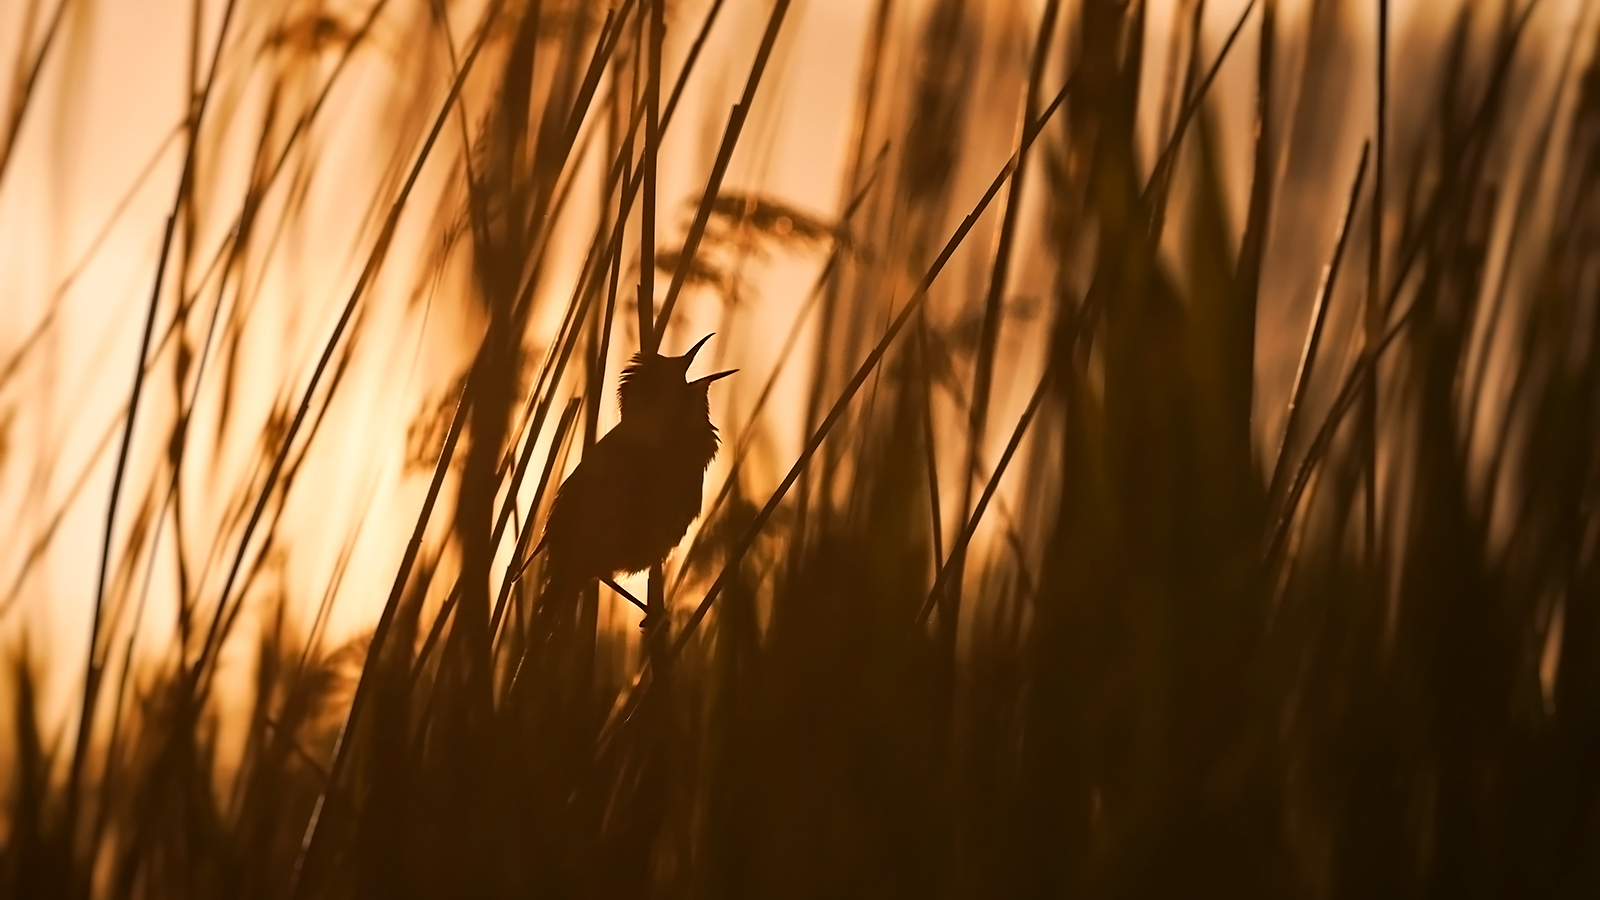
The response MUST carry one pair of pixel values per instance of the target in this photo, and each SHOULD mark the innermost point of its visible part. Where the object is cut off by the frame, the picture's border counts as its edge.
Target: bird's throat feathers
(672, 436)
(659, 408)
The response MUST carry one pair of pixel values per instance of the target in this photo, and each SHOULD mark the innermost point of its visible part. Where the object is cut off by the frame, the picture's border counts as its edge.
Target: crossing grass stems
(1133, 611)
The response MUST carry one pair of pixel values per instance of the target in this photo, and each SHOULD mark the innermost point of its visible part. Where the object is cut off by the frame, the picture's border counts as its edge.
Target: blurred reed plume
(1165, 459)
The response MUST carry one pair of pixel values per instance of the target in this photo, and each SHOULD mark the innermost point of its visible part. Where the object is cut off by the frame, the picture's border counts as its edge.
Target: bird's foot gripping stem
(645, 623)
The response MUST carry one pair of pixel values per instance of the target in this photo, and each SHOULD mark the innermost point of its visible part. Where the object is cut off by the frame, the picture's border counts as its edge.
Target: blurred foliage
(1159, 646)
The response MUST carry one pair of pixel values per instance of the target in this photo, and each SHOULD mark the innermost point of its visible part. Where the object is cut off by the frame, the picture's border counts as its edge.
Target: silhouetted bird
(631, 499)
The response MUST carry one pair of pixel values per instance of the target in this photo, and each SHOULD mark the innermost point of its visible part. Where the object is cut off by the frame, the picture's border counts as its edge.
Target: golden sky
(110, 102)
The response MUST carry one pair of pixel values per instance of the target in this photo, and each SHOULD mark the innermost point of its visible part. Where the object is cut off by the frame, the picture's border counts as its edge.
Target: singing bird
(631, 499)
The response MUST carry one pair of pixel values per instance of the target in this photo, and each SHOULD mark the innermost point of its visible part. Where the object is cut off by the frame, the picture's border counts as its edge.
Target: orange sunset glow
(1161, 454)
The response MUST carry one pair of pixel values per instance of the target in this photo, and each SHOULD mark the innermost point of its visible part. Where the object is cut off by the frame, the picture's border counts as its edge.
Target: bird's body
(623, 509)
(631, 499)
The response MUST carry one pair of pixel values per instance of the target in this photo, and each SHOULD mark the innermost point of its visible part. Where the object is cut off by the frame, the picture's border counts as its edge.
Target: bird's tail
(559, 584)
(561, 591)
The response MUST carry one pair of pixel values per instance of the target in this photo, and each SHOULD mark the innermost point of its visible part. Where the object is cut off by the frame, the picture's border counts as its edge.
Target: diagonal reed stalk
(1308, 353)
(719, 168)
(27, 87)
(91, 685)
(912, 304)
(1172, 675)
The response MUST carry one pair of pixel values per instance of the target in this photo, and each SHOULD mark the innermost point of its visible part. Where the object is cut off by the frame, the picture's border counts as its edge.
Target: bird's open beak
(710, 378)
(689, 357)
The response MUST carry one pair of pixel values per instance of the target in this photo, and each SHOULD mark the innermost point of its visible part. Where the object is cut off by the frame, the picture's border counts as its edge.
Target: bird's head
(657, 395)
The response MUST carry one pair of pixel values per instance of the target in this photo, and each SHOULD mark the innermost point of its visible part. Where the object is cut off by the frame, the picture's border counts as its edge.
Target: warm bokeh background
(1189, 651)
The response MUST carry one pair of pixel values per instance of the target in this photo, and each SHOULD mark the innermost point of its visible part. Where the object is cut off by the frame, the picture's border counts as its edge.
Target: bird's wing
(593, 502)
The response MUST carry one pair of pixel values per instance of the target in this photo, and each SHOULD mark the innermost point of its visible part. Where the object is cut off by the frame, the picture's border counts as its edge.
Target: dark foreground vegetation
(1088, 590)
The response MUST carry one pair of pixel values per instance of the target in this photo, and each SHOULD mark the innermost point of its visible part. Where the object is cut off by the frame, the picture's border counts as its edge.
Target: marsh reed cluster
(1171, 508)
